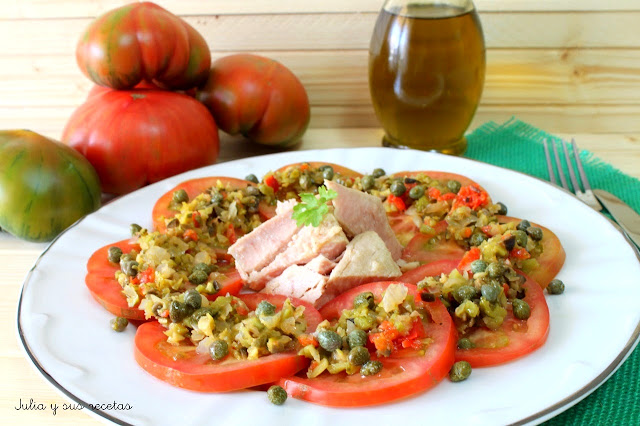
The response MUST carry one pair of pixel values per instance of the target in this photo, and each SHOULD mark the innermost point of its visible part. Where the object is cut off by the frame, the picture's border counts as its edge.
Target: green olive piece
(359, 355)
(219, 349)
(460, 371)
(495, 269)
(329, 340)
(521, 309)
(535, 233)
(521, 238)
(193, 299)
(357, 338)
(135, 229)
(368, 182)
(364, 299)
(397, 188)
(523, 225)
(198, 276)
(555, 287)
(476, 239)
(265, 308)
(251, 178)
(464, 292)
(378, 173)
(416, 192)
(177, 311)
(114, 255)
(370, 368)
(328, 173)
(180, 196)
(119, 324)
(478, 266)
(502, 208)
(465, 343)
(454, 186)
(277, 395)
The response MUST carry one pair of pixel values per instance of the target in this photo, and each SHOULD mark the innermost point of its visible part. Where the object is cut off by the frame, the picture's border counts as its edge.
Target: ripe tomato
(403, 374)
(432, 269)
(194, 187)
(257, 97)
(102, 284)
(137, 137)
(181, 366)
(552, 257)
(422, 249)
(143, 41)
(442, 176)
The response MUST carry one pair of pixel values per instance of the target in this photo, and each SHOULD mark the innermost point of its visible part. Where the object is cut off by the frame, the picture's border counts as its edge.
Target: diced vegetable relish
(394, 323)
(293, 180)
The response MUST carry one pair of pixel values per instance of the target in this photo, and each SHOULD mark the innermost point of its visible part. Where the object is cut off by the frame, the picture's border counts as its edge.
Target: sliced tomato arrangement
(405, 373)
(104, 287)
(193, 187)
(181, 366)
(337, 168)
(433, 269)
(442, 176)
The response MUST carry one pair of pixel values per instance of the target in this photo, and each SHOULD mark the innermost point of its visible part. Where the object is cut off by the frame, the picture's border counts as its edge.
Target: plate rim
(535, 418)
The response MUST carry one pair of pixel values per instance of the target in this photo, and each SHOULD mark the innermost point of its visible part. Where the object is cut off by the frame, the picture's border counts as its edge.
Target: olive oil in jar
(426, 73)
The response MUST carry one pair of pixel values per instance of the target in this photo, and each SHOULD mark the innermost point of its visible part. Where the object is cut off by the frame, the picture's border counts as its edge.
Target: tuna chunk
(321, 265)
(254, 251)
(298, 281)
(359, 212)
(308, 243)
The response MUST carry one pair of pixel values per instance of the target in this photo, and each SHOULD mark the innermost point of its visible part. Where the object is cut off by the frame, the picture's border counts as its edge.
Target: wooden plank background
(564, 65)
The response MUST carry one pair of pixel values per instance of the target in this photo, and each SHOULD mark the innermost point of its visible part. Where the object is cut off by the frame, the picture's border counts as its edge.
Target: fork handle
(624, 215)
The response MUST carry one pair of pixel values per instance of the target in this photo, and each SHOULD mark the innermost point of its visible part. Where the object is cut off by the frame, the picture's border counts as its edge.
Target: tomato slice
(422, 249)
(194, 187)
(102, 284)
(432, 269)
(403, 374)
(181, 366)
(442, 176)
(552, 257)
(337, 168)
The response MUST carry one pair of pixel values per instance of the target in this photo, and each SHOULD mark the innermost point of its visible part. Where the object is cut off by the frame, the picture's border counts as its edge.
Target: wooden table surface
(21, 383)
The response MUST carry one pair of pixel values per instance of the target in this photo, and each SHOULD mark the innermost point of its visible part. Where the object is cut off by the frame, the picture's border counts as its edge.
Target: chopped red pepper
(471, 196)
(230, 233)
(148, 275)
(433, 193)
(472, 255)
(306, 339)
(190, 234)
(398, 202)
(466, 232)
(272, 182)
(196, 217)
(520, 253)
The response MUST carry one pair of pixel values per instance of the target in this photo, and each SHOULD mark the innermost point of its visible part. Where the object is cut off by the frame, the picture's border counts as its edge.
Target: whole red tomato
(143, 41)
(136, 137)
(257, 97)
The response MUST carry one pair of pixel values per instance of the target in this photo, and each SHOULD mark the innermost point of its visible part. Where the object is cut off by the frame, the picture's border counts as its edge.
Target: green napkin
(518, 146)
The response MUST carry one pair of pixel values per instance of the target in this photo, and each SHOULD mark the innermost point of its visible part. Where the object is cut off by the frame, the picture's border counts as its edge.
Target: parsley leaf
(312, 209)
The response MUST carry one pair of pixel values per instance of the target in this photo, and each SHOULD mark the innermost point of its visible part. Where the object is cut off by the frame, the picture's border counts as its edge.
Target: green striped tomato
(258, 98)
(45, 186)
(143, 41)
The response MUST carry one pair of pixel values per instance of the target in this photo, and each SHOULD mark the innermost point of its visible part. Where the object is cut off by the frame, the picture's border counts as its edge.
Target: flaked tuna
(298, 281)
(359, 212)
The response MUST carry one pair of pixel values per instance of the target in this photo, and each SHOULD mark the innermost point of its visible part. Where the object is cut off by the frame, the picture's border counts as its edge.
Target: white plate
(594, 325)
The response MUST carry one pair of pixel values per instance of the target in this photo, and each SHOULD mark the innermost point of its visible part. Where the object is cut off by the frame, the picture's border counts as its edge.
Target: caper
(555, 287)
(364, 299)
(253, 191)
(465, 343)
(521, 309)
(477, 239)
(495, 269)
(193, 299)
(521, 237)
(265, 308)
(119, 324)
(204, 267)
(251, 178)
(378, 173)
(277, 395)
(135, 228)
(490, 292)
(410, 180)
(219, 349)
(180, 196)
(328, 173)
(370, 368)
(535, 233)
(460, 371)
(523, 225)
(357, 338)
(359, 355)
(478, 266)
(509, 242)
(178, 311)
(464, 292)
(115, 253)
(305, 181)
(329, 340)
(397, 188)
(416, 192)
(368, 182)
(454, 186)
(199, 313)
(502, 208)
(130, 268)
(198, 276)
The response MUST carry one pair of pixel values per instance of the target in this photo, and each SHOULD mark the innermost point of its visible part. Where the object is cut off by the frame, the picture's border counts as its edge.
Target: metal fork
(586, 195)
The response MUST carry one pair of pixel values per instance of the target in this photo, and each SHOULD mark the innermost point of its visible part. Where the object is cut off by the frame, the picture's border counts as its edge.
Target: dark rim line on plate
(560, 406)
